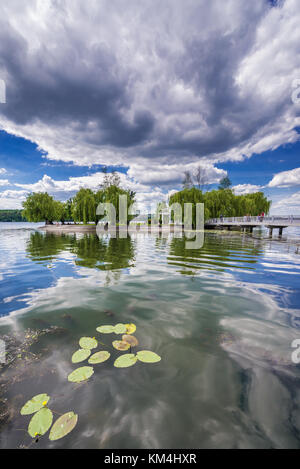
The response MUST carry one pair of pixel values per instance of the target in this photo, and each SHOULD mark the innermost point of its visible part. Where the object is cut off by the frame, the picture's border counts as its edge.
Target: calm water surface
(222, 318)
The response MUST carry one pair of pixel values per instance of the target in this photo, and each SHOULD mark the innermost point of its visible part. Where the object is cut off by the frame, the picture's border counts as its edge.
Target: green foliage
(99, 357)
(11, 215)
(80, 355)
(146, 356)
(120, 329)
(63, 426)
(88, 343)
(81, 374)
(35, 404)
(185, 196)
(225, 183)
(223, 202)
(110, 194)
(43, 417)
(117, 329)
(40, 423)
(84, 206)
(106, 329)
(41, 206)
(126, 360)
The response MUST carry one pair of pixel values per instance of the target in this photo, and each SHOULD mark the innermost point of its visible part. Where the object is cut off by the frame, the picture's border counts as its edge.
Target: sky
(150, 89)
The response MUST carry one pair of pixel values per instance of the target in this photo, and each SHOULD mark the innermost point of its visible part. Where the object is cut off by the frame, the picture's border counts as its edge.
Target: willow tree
(40, 206)
(111, 194)
(187, 195)
(219, 202)
(84, 206)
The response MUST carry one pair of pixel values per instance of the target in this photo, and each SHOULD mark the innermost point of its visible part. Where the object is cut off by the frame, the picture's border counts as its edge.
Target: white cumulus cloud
(286, 178)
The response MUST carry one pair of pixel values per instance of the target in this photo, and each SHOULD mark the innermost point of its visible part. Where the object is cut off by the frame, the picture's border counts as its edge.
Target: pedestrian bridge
(249, 223)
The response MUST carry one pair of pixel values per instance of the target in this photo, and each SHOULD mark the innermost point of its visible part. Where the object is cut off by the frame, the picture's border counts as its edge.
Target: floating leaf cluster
(130, 359)
(43, 418)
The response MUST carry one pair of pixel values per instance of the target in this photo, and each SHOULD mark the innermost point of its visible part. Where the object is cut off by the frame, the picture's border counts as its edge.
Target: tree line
(222, 202)
(81, 208)
(11, 215)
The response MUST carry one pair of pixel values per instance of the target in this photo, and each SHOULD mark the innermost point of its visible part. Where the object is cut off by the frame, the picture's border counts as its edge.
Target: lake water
(222, 318)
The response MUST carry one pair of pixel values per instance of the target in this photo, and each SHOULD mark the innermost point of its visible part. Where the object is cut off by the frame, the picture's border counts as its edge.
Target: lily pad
(40, 422)
(131, 340)
(126, 360)
(99, 357)
(130, 328)
(88, 342)
(81, 355)
(146, 356)
(35, 404)
(63, 426)
(81, 374)
(106, 329)
(121, 345)
(120, 329)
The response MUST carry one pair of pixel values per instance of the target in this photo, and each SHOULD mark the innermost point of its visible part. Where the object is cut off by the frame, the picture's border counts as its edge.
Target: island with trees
(81, 209)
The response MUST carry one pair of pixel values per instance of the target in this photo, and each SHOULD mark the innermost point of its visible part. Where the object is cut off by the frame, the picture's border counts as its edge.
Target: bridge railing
(289, 219)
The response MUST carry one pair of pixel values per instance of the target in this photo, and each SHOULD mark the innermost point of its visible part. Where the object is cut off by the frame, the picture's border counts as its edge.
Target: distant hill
(11, 215)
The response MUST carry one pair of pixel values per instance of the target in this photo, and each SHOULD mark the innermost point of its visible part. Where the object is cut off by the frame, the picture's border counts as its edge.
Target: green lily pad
(63, 426)
(121, 345)
(146, 356)
(106, 329)
(130, 328)
(88, 342)
(126, 360)
(81, 374)
(35, 404)
(81, 355)
(99, 357)
(131, 340)
(40, 423)
(120, 329)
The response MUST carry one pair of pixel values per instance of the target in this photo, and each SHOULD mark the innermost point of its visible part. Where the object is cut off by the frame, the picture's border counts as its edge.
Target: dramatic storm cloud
(156, 87)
